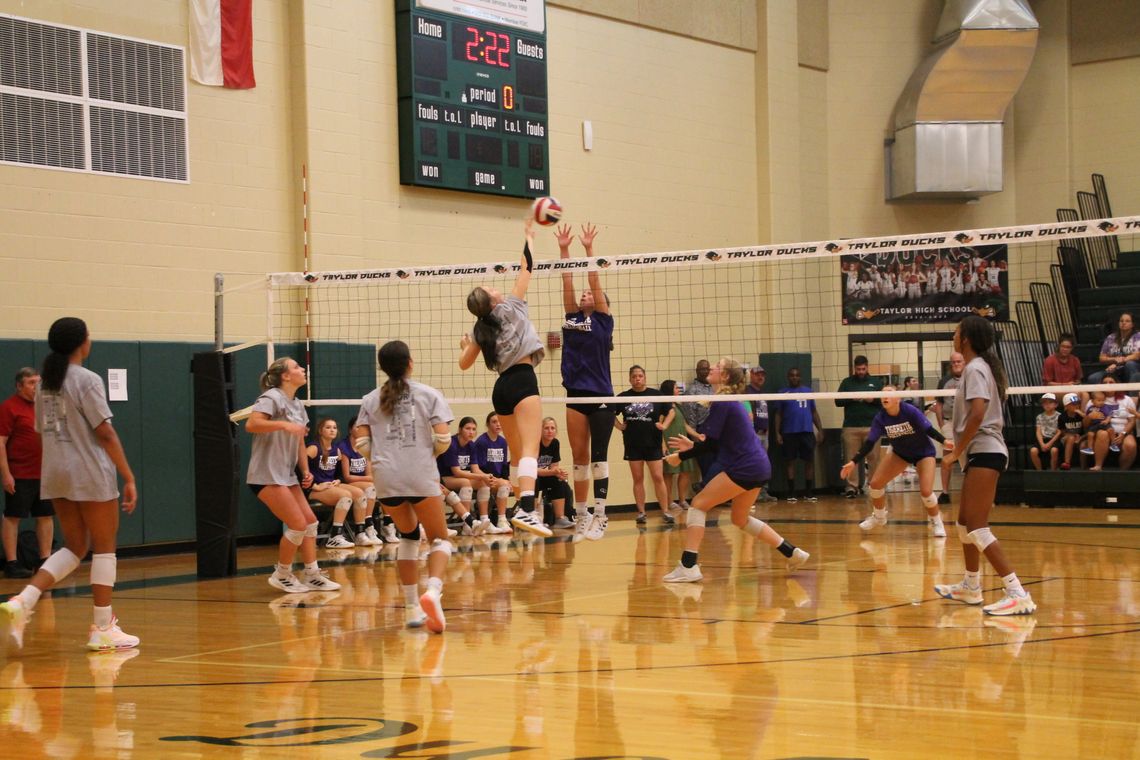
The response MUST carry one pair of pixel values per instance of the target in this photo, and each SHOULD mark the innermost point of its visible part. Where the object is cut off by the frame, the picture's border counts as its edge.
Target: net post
(269, 357)
(219, 333)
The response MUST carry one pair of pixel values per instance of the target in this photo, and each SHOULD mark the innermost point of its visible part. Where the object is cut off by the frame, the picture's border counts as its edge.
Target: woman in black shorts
(641, 426)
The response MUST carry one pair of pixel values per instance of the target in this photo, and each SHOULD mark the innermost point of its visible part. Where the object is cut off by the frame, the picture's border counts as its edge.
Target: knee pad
(504, 492)
(600, 470)
(982, 537)
(294, 537)
(344, 504)
(442, 546)
(963, 534)
(528, 467)
(61, 564)
(413, 535)
(452, 498)
(754, 527)
(581, 472)
(695, 518)
(370, 492)
(930, 501)
(103, 569)
(311, 530)
(876, 493)
(465, 493)
(408, 549)
(483, 494)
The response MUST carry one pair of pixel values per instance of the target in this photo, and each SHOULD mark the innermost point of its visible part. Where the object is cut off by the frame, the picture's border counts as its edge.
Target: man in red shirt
(1062, 368)
(20, 457)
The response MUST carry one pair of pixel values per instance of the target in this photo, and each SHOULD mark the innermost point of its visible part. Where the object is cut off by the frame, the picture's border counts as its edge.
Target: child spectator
(1072, 425)
(1097, 425)
(1048, 433)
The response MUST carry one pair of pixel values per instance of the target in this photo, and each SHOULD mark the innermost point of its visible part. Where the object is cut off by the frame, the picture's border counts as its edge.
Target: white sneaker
(433, 610)
(17, 616)
(582, 526)
(371, 531)
(110, 638)
(289, 584)
(798, 559)
(363, 539)
(937, 528)
(959, 592)
(482, 526)
(682, 574)
(469, 530)
(318, 581)
(339, 542)
(873, 522)
(388, 534)
(1011, 605)
(504, 525)
(414, 616)
(598, 527)
(492, 529)
(452, 533)
(562, 523)
(529, 521)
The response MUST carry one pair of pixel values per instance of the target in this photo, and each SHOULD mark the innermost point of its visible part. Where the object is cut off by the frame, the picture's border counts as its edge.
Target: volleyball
(546, 211)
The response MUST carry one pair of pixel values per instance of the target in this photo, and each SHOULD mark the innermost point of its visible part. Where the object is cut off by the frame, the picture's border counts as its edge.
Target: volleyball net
(814, 306)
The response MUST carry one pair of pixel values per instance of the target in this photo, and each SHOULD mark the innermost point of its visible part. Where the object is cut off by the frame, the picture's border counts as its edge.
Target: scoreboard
(472, 95)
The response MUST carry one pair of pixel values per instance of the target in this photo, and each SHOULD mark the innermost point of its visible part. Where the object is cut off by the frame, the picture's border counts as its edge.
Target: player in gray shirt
(978, 442)
(278, 424)
(402, 427)
(510, 346)
(944, 410)
(81, 453)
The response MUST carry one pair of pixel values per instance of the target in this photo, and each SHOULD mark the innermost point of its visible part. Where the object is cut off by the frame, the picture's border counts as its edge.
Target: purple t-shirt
(739, 452)
(795, 416)
(456, 456)
(324, 468)
(493, 457)
(586, 345)
(357, 462)
(907, 432)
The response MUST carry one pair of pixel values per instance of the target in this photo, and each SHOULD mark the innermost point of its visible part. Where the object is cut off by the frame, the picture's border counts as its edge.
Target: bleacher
(1091, 284)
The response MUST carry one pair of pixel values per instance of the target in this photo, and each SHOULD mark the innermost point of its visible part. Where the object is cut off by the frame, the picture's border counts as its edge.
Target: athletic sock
(358, 528)
(1013, 585)
(688, 559)
(336, 529)
(29, 597)
(369, 522)
(600, 507)
(526, 501)
(973, 579)
(785, 548)
(283, 571)
(103, 617)
(312, 567)
(469, 519)
(411, 593)
(580, 508)
(435, 583)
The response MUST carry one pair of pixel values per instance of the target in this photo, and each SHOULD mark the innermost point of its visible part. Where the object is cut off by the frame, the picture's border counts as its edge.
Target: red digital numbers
(494, 53)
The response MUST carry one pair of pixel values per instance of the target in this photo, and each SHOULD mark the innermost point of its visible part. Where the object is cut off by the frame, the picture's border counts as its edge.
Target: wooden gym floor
(562, 650)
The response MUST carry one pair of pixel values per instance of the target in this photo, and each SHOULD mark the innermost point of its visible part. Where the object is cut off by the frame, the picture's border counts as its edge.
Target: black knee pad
(412, 536)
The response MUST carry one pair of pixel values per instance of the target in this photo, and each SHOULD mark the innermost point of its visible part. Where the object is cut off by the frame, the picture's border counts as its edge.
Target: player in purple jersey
(324, 456)
(493, 459)
(587, 339)
(743, 468)
(457, 473)
(910, 435)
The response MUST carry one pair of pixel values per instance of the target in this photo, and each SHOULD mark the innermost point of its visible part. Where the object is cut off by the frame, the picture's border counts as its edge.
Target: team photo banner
(1032, 233)
(932, 285)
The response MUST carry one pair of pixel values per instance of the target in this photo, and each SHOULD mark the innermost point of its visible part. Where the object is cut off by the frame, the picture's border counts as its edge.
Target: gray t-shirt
(75, 465)
(949, 383)
(273, 460)
(694, 411)
(403, 458)
(518, 339)
(1048, 424)
(978, 382)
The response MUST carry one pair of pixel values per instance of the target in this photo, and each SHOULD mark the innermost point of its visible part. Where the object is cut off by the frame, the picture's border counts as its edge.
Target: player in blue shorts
(910, 434)
(742, 469)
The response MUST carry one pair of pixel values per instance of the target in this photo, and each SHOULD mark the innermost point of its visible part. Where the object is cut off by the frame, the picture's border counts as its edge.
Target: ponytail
(998, 369)
(394, 358)
(982, 337)
(65, 336)
(271, 378)
(487, 327)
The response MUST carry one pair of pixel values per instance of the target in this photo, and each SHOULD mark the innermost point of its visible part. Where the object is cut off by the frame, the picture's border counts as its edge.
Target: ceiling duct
(946, 142)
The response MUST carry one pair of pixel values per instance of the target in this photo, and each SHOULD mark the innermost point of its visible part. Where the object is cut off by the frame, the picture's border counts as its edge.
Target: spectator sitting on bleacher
(1072, 423)
(1062, 368)
(1097, 427)
(1048, 433)
(1120, 352)
(1122, 437)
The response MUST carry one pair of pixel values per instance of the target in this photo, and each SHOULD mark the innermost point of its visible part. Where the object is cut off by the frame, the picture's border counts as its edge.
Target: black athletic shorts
(553, 488)
(586, 409)
(26, 502)
(911, 460)
(747, 485)
(799, 446)
(396, 501)
(987, 460)
(514, 385)
(643, 453)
